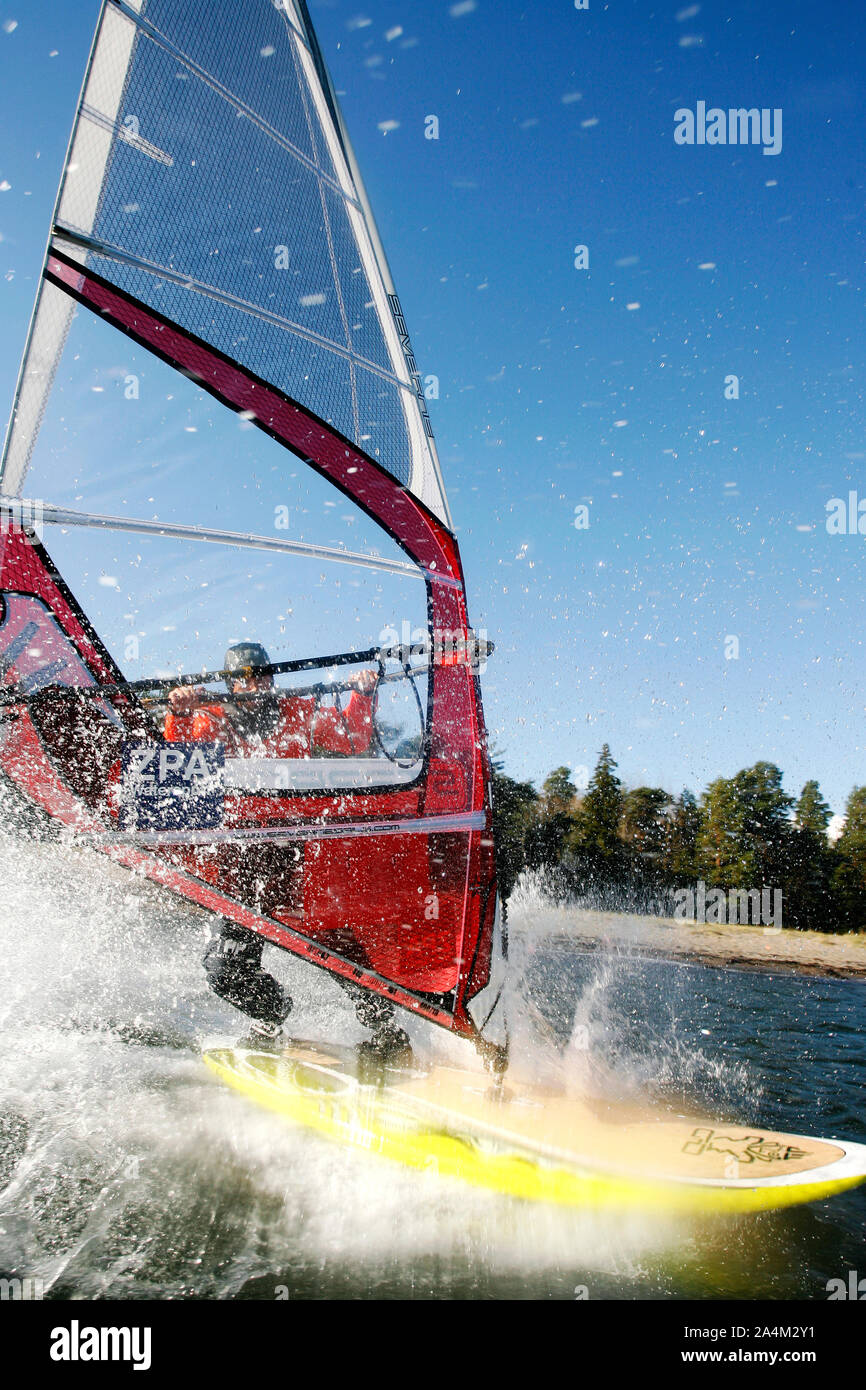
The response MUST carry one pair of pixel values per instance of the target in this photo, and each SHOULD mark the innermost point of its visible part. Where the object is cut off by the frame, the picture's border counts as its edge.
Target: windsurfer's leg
(233, 962)
(376, 1013)
(372, 1010)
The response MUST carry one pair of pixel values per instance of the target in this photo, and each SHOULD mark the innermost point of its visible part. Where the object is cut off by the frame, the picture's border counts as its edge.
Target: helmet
(244, 655)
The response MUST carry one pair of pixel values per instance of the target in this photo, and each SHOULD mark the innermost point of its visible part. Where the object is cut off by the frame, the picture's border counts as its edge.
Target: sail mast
(87, 154)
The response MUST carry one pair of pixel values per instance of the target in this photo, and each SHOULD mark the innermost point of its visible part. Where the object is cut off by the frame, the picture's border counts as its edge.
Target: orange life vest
(300, 728)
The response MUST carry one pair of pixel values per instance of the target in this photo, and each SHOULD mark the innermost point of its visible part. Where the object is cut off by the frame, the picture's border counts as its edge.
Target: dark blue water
(127, 1171)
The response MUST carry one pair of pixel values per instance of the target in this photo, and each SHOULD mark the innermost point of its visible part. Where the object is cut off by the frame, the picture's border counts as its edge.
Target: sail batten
(67, 238)
(43, 512)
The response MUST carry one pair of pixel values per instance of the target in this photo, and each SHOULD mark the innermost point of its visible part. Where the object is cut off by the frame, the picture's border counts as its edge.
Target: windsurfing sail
(215, 306)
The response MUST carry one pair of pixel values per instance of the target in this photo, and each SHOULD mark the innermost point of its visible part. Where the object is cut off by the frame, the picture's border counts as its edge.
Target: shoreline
(783, 951)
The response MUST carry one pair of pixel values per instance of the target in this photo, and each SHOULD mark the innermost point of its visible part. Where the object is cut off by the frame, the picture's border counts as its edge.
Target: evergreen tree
(643, 822)
(596, 857)
(513, 807)
(744, 840)
(852, 841)
(558, 790)
(642, 830)
(553, 820)
(679, 856)
(622, 847)
(849, 877)
(601, 809)
(812, 811)
(807, 883)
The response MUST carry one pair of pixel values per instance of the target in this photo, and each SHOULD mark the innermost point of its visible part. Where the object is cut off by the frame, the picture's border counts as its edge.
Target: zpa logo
(175, 786)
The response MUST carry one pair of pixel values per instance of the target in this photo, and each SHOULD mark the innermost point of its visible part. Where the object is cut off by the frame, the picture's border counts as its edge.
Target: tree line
(631, 850)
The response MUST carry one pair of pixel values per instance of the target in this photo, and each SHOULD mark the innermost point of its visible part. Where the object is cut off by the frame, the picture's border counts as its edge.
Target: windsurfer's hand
(365, 682)
(185, 698)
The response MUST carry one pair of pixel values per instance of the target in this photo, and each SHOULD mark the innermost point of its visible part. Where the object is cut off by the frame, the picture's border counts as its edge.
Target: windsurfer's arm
(189, 720)
(348, 730)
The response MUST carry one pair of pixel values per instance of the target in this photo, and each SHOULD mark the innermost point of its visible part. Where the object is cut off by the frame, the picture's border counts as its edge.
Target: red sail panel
(391, 888)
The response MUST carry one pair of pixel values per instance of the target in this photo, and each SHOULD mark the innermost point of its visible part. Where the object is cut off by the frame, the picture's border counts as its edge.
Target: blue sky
(601, 387)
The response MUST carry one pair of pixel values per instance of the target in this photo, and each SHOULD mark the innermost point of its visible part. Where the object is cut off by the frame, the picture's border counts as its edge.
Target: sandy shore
(705, 943)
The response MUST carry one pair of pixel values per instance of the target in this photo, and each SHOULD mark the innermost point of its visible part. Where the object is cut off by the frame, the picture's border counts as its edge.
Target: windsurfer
(274, 724)
(269, 723)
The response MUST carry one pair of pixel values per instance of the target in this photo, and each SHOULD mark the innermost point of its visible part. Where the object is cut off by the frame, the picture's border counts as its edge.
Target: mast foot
(494, 1057)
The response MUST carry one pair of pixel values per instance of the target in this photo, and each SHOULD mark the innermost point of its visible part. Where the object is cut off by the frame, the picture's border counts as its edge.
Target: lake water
(127, 1171)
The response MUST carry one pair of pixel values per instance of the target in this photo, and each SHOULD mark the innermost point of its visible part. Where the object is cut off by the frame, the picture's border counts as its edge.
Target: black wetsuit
(233, 961)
